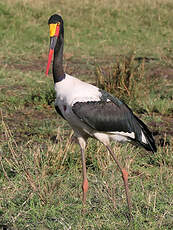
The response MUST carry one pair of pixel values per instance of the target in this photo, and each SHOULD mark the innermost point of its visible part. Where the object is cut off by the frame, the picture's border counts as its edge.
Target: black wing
(104, 116)
(111, 115)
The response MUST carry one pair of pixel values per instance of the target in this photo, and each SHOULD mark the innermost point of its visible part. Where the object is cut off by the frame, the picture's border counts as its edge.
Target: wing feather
(104, 116)
(112, 115)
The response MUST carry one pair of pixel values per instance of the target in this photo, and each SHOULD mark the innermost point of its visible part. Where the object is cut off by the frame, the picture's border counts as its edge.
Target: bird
(93, 112)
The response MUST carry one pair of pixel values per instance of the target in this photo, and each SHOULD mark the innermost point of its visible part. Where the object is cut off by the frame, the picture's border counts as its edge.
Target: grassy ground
(40, 169)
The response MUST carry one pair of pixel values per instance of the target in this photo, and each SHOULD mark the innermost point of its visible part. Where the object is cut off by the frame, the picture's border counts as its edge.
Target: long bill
(54, 33)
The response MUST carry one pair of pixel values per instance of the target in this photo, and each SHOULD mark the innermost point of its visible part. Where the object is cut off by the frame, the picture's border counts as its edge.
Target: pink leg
(82, 143)
(85, 189)
(85, 181)
(128, 197)
(125, 179)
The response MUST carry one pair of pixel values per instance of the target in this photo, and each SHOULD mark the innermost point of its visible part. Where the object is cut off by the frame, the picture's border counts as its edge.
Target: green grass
(40, 169)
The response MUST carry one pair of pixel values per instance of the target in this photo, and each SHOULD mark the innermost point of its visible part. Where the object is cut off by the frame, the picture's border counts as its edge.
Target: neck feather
(58, 70)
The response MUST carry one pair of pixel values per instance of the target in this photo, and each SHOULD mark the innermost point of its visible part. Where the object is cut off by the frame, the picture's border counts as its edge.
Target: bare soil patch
(162, 72)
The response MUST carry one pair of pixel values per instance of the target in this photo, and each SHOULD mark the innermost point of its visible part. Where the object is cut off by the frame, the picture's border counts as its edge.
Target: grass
(127, 78)
(123, 78)
(40, 169)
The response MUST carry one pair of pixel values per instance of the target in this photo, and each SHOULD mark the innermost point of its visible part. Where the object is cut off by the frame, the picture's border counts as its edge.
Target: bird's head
(56, 30)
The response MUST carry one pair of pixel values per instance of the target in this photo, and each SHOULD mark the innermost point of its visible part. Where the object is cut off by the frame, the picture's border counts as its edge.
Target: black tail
(150, 145)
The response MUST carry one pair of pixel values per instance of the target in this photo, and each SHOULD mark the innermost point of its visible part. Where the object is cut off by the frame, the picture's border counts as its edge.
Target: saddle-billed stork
(92, 112)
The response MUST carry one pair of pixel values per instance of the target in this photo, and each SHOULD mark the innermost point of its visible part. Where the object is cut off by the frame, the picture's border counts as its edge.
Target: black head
(56, 31)
(55, 19)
